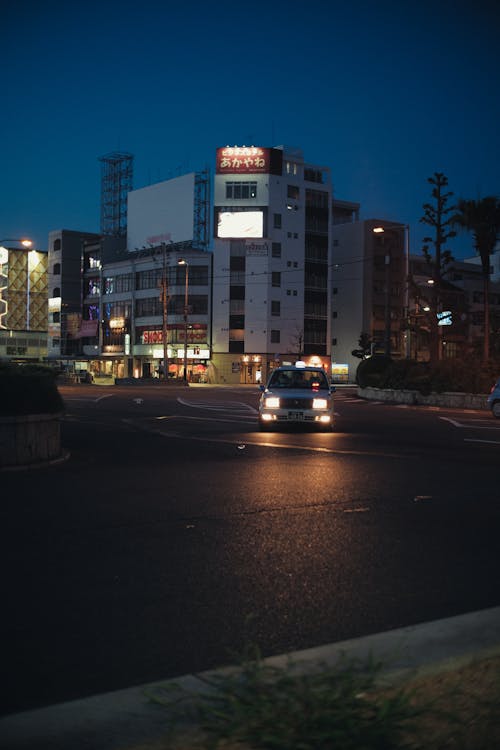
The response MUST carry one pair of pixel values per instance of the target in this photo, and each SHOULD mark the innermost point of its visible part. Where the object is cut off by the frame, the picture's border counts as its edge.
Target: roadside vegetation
(348, 706)
(448, 375)
(28, 389)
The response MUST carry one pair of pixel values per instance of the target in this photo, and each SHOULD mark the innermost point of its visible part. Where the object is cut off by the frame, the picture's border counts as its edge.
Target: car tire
(495, 409)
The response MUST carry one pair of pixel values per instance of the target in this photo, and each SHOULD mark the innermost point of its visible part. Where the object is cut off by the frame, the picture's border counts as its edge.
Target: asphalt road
(175, 534)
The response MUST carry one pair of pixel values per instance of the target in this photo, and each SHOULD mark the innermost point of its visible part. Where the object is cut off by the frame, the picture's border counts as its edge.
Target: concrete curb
(448, 400)
(123, 718)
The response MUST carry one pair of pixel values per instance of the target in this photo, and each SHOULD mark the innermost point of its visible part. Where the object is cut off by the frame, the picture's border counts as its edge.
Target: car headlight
(272, 402)
(320, 403)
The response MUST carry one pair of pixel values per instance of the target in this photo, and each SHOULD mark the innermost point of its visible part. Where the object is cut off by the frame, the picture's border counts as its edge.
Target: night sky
(384, 93)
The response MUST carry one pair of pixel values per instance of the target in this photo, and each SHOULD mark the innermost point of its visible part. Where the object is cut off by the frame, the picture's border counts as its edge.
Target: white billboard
(240, 224)
(163, 212)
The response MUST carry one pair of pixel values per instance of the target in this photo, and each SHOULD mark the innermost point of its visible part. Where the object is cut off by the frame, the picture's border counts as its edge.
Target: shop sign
(248, 160)
(256, 249)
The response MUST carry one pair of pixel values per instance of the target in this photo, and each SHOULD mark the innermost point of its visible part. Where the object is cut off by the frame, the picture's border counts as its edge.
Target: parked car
(296, 395)
(494, 400)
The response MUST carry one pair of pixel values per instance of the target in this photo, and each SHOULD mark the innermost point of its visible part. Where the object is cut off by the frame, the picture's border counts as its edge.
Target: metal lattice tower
(116, 183)
(201, 228)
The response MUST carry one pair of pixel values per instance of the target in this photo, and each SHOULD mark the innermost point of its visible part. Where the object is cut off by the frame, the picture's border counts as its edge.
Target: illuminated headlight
(320, 403)
(272, 402)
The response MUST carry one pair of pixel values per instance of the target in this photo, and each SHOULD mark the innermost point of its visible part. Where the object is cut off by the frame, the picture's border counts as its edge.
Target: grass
(344, 707)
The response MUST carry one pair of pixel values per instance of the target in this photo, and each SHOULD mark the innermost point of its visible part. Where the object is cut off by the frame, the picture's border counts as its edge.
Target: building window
(275, 307)
(56, 317)
(56, 292)
(275, 337)
(241, 190)
(276, 278)
(57, 269)
(57, 245)
(293, 191)
(277, 221)
(276, 250)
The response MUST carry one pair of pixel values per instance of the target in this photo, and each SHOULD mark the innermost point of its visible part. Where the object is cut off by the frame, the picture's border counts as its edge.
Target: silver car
(494, 400)
(296, 395)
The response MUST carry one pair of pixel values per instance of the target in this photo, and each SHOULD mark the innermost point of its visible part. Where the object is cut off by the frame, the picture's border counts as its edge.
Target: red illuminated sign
(248, 160)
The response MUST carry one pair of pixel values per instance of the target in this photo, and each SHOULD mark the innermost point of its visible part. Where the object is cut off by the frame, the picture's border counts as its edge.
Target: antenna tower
(116, 183)
(201, 228)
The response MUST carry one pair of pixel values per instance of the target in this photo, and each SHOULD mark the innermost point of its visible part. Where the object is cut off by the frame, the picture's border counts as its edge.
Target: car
(296, 395)
(494, 400)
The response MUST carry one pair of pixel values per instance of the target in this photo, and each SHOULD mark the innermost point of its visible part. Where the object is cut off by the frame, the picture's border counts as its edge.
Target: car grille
(296, 403)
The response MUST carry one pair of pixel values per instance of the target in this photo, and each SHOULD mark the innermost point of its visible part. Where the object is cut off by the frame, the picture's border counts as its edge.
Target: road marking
(286, 446)
(452, 421)
(474, 440)
(231, 406)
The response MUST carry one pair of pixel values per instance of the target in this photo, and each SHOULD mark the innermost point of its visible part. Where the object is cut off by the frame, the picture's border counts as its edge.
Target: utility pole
(164, 301)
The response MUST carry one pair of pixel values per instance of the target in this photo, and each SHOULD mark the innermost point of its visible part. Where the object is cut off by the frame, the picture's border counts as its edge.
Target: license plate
(297, 415)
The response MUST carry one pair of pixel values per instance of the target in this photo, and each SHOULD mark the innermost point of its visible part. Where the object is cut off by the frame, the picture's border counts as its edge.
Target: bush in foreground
(28, 389)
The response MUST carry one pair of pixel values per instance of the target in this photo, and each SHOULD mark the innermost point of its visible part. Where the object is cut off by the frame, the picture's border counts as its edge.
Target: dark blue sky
(384, 93)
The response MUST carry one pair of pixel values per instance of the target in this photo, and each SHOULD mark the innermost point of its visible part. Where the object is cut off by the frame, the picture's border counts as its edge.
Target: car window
(306, 379)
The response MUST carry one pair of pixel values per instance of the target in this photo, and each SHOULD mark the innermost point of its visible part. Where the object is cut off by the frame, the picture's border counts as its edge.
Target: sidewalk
(119, 720)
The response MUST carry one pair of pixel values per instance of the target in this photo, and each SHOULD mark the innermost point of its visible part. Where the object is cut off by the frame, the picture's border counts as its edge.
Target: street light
(24, 243)
(183, 262)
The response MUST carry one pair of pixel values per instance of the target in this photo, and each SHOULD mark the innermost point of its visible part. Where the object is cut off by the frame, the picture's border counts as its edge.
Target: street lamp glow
(24, 242)
(378, 230)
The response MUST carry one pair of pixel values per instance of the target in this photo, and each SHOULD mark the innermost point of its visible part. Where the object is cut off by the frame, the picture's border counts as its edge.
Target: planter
(30, 439)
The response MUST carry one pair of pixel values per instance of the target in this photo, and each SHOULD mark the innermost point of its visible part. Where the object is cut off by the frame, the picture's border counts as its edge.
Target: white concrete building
(271, 284)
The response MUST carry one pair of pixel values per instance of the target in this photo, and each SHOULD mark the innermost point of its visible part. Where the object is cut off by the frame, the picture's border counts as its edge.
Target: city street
(175, 534)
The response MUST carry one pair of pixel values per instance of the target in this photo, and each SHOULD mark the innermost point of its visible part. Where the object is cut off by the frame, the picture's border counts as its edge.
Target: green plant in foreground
(271, 708)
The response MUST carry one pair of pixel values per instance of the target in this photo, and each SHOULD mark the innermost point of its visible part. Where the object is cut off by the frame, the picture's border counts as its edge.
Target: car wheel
(495, 409)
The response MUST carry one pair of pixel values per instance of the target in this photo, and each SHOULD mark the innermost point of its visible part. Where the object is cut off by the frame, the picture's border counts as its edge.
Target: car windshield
(299, 379)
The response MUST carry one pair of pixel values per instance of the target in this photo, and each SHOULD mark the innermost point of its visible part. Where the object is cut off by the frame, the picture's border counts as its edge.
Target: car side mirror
(333, 389)
(262, 387)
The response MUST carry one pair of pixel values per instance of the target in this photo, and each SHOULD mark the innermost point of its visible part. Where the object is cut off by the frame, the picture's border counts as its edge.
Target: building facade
(23, 304)
(134, 304)
(271, 290)
(369, 290)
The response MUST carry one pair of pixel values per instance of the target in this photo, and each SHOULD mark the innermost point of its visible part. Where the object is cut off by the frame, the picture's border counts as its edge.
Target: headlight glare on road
(272, 402)
(320, 403)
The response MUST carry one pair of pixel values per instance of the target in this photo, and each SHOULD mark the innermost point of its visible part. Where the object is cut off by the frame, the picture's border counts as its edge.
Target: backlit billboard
(248, 160)
(240, 224)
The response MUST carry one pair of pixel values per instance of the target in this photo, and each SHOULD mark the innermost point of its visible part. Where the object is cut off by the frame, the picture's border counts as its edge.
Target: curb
(123, 718)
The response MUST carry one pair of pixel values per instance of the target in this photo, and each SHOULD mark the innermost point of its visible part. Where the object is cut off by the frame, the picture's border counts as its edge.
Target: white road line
(474, 440)
(452, 421)
(231, 406)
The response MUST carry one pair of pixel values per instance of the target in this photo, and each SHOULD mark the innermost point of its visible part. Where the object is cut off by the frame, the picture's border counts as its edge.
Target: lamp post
(183, 262)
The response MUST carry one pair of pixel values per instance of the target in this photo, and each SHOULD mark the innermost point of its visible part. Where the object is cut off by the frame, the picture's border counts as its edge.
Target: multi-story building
(23, 304)
(65, 292)
(369, 290)
(134, 303)
(271, 290)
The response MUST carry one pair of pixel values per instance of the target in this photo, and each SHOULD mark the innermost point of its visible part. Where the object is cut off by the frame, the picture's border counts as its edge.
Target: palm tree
(482, 218)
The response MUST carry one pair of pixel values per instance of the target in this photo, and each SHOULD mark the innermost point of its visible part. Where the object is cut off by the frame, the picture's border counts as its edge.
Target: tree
(436, 215)
(482, 218)
(365, 346)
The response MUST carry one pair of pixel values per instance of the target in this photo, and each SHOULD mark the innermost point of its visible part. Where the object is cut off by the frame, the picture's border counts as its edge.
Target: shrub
(29, 389)
(372, 371)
